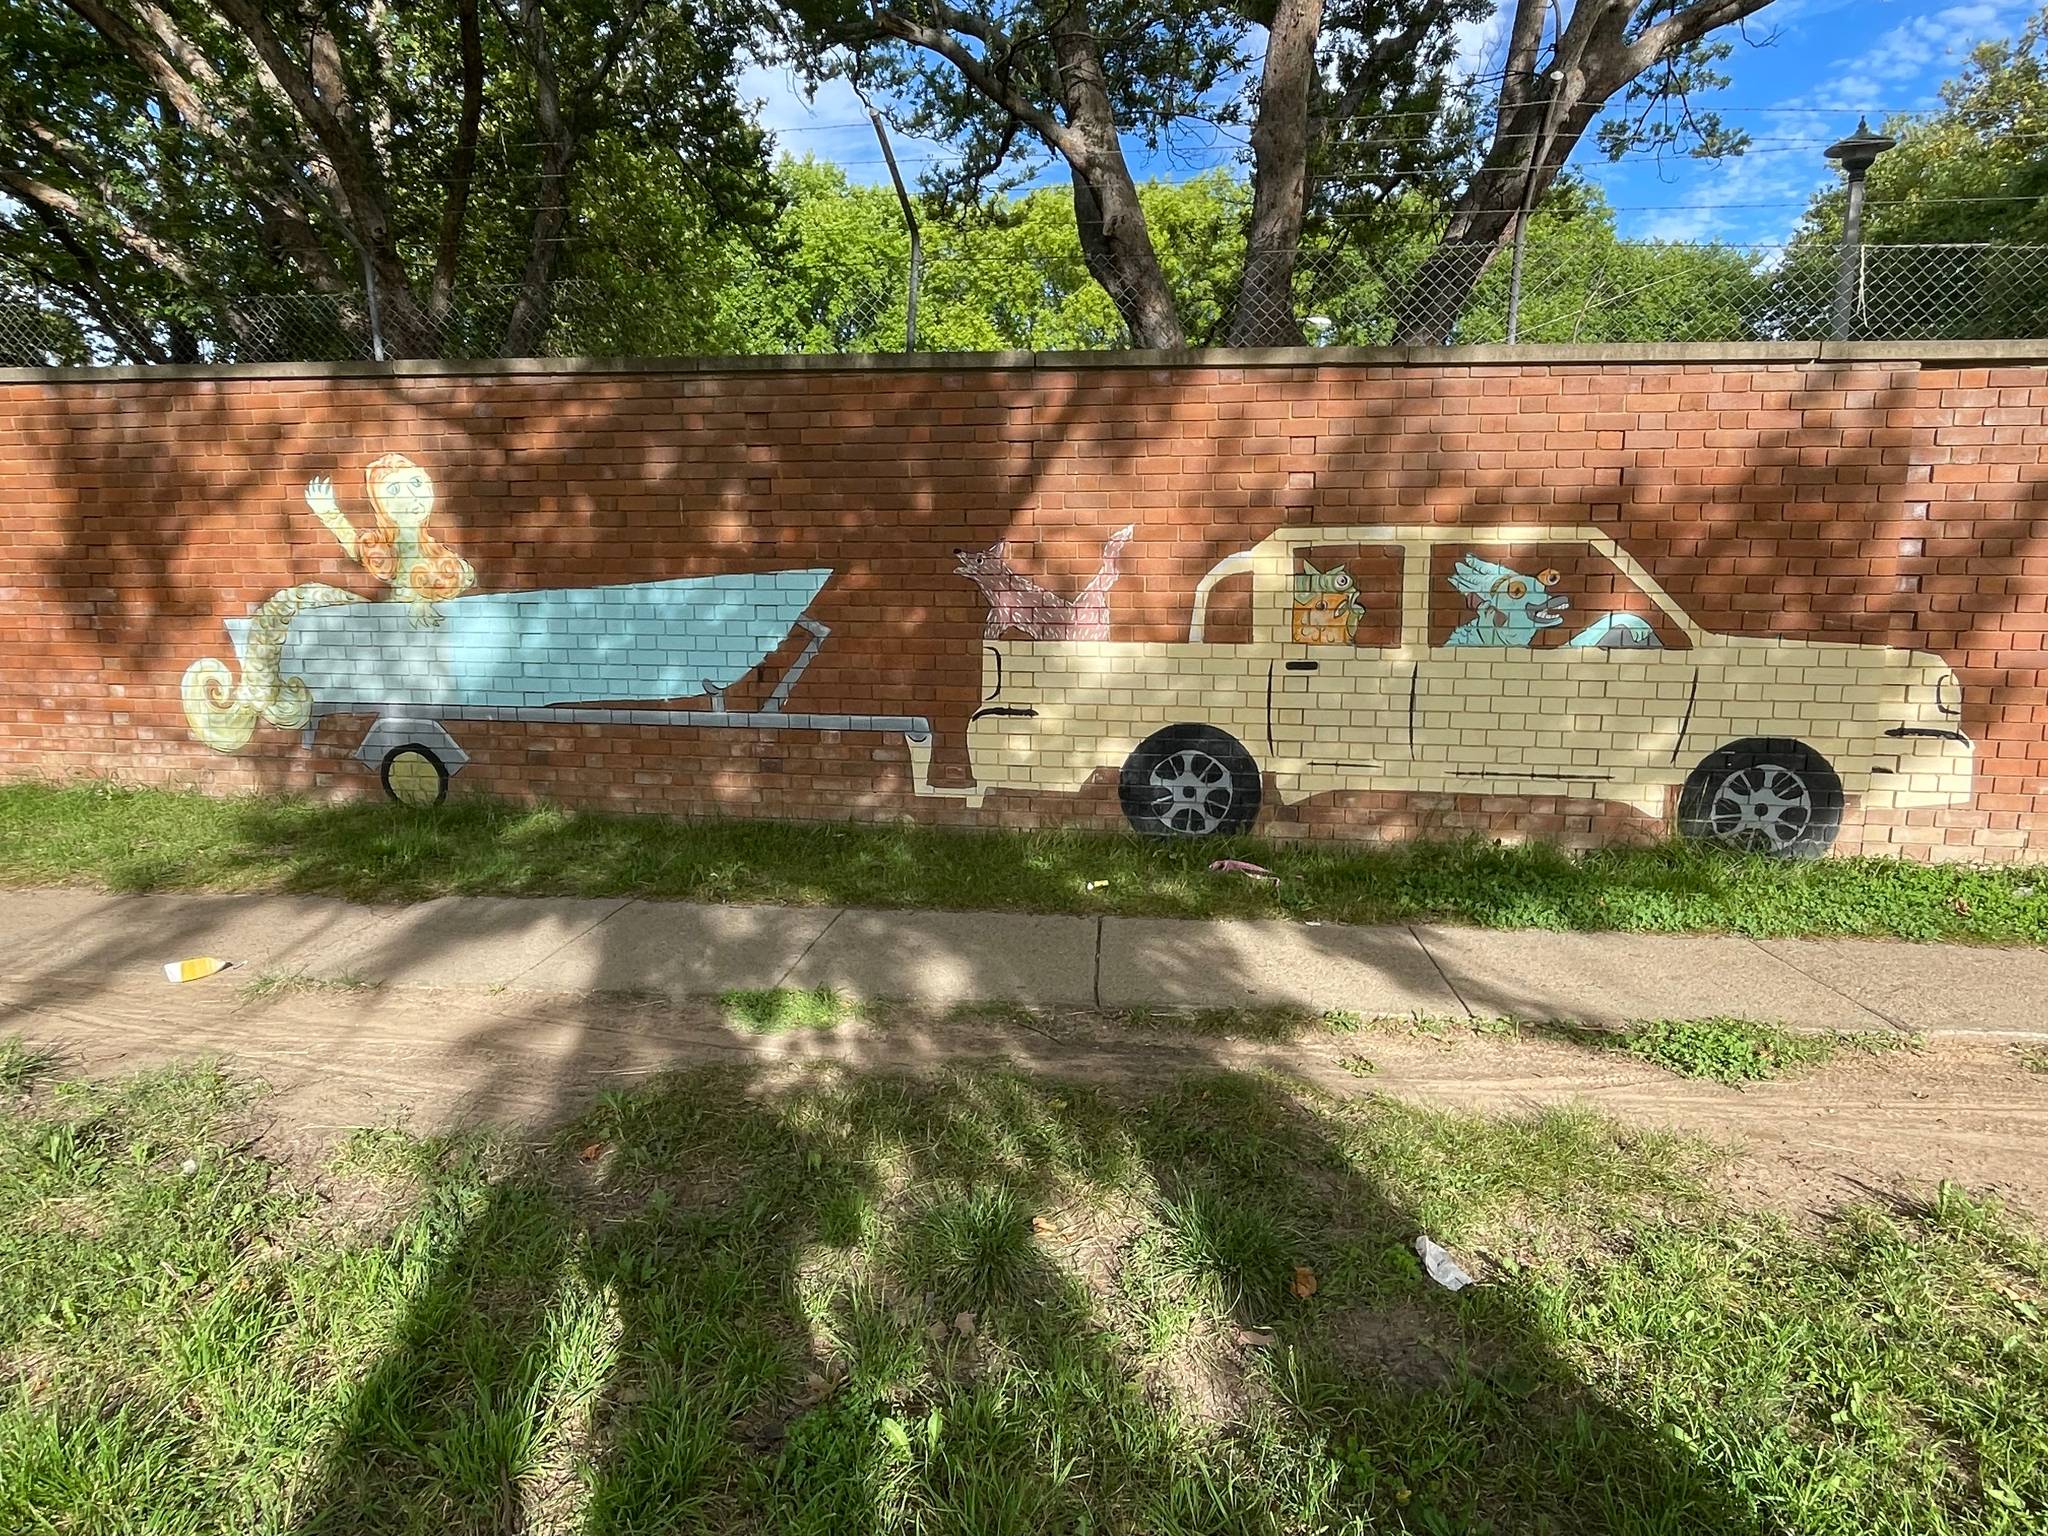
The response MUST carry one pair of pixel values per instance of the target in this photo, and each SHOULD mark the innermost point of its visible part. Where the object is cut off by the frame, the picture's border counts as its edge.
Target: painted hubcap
(1191, 792)
(414, 780)
(1764, 807)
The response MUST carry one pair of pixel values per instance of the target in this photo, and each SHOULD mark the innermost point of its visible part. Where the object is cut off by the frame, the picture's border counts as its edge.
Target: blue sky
(1806, 70)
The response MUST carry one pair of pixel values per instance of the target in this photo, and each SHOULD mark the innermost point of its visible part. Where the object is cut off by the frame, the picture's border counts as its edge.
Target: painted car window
(1541, 597)
(1346, 595)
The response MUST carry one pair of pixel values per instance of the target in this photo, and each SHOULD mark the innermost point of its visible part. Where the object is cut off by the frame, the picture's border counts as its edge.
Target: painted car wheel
(413, 775)
(1190, 781)
(1772, 797)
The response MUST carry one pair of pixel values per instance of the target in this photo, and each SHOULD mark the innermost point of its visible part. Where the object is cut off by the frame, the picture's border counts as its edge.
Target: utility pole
(1855, 154)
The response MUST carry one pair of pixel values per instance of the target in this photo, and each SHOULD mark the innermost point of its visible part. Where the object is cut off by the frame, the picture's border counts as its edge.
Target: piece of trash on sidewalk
(1096, 885)
(1443, 1269)
(196, 969)
(1240, 867)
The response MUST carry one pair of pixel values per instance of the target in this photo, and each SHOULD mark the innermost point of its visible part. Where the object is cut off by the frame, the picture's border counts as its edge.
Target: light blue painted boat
(562, 645)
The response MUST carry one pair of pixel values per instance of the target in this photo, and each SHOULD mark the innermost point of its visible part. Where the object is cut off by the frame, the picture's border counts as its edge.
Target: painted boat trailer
(414, 755)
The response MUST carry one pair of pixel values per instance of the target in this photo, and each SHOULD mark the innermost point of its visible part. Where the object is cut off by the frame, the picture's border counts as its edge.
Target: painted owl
(1326, 606)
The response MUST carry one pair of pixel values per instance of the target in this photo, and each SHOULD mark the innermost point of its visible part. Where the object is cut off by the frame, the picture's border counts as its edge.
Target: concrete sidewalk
(74, 941)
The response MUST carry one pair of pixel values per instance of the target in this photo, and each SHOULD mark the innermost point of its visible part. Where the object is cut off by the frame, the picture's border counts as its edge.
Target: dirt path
(1966, 1110)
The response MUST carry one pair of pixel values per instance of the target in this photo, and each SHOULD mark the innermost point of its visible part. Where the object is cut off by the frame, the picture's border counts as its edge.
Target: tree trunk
(1264, 314)
(551, 216)
(462, 164)
(1435, 298)
(1114, 240)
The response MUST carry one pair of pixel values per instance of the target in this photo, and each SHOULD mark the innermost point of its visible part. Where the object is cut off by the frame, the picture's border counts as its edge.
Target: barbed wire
(1338, 293)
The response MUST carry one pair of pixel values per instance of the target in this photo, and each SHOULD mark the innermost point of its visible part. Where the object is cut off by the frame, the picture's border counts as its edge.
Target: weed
(268, 985)
(2034, 1059)
(1735, 1051)
(21, 1063)
(775, 1009)
(1358, 1066)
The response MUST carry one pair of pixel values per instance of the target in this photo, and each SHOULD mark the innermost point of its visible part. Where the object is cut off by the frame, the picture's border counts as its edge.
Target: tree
(161, 156)
(1353, 100)
(1555, 81)
(1960, 187)
(1009, 273)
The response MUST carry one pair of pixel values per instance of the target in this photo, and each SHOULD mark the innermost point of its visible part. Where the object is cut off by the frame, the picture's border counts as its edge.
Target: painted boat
(679, 639)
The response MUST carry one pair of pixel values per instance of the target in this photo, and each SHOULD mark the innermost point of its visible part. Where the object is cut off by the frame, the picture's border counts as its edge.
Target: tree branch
(996, 89)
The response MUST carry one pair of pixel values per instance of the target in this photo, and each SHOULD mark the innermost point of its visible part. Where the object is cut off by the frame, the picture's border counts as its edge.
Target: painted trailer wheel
(1773, 797)
(413, 775)
(1190, 781)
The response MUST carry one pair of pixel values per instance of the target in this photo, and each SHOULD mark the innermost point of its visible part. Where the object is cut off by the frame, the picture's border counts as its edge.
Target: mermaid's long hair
(223, 712)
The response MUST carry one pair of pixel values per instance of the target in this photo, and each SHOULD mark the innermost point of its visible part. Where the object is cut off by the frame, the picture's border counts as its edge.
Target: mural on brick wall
(432, 652)
(1326, 606)
(1017, 602)
(1453, 673)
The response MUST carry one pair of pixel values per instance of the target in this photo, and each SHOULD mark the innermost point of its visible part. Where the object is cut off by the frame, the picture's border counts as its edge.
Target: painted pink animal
(1017, 602)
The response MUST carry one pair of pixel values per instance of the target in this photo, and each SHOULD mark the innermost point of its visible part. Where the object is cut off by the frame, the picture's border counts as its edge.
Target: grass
(1736, 1051)
(267, 985)
(773, 1010)
(979, 1303)
(157, 840)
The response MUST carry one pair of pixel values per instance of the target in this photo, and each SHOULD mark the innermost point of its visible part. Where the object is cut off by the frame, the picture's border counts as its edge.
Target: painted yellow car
(1442, 659)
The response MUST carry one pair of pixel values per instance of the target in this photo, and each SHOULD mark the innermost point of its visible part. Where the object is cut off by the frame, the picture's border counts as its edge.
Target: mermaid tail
(223, 713)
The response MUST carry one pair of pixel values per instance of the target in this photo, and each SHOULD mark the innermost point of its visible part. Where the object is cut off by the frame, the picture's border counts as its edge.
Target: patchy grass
(267, 985)
(21, 1063)
(775, 1009)
(1736, 1051)
(979, 1303)
(1358, 1066)
(150, 840)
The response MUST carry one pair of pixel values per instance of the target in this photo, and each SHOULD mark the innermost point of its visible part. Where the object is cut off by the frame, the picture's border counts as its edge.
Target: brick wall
(1891, 501)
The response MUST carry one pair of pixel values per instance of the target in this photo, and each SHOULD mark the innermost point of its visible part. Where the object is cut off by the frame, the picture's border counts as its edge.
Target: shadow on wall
(1803, 514)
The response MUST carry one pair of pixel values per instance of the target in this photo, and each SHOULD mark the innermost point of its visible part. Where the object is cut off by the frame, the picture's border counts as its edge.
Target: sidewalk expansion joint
(1449, 985)
(1097, 988)
(1854, 1002)
(581, 933)
(790, 970)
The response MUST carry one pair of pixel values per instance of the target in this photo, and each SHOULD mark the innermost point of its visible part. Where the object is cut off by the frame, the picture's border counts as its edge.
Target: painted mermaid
(397, 550)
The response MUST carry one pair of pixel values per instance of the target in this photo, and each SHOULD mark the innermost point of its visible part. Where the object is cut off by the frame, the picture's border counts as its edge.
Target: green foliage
(1008, 274)
(1736, 1051)
(1973, 173)
(159, 176)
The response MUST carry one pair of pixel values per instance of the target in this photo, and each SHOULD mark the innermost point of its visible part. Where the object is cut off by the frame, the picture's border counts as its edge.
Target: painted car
(1453, 660)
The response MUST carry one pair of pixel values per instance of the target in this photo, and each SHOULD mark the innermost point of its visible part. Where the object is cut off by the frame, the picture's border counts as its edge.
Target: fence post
(909, 219)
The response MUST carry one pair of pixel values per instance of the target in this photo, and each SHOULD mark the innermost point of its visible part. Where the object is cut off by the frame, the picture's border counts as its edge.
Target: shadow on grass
(148, 840)
(975, 1304)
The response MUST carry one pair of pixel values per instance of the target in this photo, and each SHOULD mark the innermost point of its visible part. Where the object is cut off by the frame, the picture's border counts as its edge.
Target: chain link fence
(1338, 295)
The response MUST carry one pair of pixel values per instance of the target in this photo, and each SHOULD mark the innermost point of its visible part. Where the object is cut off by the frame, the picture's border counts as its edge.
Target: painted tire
(413, 775)
(1190, 781)
(1768, 796)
